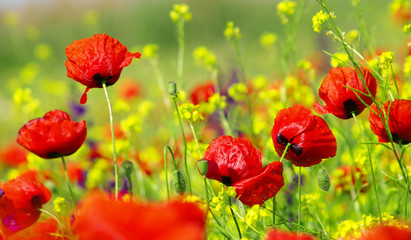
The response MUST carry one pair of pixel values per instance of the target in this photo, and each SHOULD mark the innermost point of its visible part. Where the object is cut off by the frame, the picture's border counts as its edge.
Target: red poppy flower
(236, 162)
(202, 93)
(340, 100)
(311, 139)
(282, 235)
(13, 155)
(345, 178)
(398, 120)
(97, 60)
(101, 218)
(129, 90)
(42, 230)
(54, 135)
(20, 200)
(385, 232)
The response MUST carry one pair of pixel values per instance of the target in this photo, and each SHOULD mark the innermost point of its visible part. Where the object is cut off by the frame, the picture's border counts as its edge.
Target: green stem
(285, 152)
(371, 166)
(116, 178)
(299, 198)
(185, 144)
(165, 168)
(234, 217)
(274, 210)
(54, 217)
(68, 182)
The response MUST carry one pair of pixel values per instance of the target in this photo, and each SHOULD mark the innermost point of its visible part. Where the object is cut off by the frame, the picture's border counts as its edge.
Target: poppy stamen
(226, 180)
(350, 107)
(282, 140)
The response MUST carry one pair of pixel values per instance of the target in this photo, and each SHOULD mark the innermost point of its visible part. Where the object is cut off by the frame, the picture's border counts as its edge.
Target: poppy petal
(260, 188)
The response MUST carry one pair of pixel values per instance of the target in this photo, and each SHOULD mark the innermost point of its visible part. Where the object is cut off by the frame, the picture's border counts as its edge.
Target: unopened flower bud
(323, 180)
(172, 88)
(202, 166)
(127, 168)
(179, 183)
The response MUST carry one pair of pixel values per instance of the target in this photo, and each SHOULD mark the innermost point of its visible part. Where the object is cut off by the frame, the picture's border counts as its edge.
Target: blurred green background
(34, 35)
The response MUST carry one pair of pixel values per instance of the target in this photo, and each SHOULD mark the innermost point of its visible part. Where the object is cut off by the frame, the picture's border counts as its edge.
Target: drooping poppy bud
(202, 166)
(323, 180)
(179, 183)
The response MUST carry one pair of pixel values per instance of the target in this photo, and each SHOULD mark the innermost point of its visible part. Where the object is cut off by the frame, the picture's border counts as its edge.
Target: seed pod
(172, 88)
(323, 180)
(179, 183)
(202, 166)
(127, 168)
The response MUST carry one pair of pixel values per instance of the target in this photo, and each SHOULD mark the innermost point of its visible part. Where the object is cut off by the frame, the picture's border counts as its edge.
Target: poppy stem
(185, 143)
(165, 167)
(116, 180)
(371, 166)
(68, 182)
(299, 198)
(285, 152)
(232, 213)
(274, 210)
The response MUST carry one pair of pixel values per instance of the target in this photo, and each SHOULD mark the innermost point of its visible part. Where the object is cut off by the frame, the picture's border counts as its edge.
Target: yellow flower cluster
(386, 57)
(97, 174)
(407, 28)
(339, 59)
(286, 9)
(180, 11)
(216, 101)
(238, 92)
(350, 229)
(267, 40)
(190, 112)
(150, 51)
(231, 31)
(24, 100)
(59, 204)
(319, 19)
(203, 56)
(254, 214)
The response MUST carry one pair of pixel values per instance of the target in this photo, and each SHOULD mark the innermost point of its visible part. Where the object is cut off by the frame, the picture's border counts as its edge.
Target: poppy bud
(172, 88)
(323, 180)
(127, 168)
(179, 183)
(202, 166)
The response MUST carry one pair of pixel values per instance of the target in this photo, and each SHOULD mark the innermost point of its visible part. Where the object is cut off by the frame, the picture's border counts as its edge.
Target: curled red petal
(260, 188)
(83, 98)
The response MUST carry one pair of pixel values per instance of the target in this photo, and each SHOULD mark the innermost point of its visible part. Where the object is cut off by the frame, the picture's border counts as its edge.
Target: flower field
(191, 120)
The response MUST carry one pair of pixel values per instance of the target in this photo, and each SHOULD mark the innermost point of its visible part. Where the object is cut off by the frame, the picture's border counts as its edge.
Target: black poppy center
(350, 107)
(98, 78)
(1, 193)
(53, 155)
(297, 150)
(35, 200)
(226, 180)
(397, 139)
